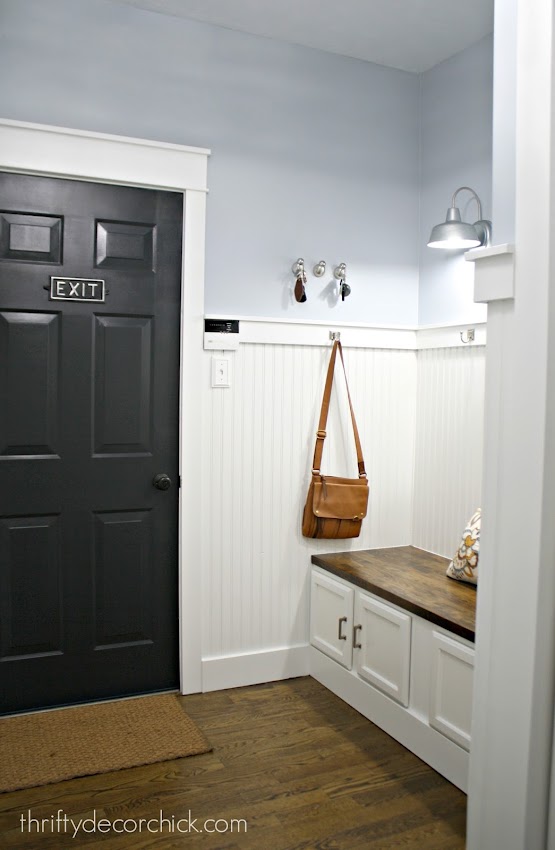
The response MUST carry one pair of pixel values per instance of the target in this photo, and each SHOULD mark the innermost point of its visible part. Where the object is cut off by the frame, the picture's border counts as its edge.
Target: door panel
(123, 592)
(31, 238)
(88, 416)
(30, 582)
(123, 245)
(123, 384)
(29, 383)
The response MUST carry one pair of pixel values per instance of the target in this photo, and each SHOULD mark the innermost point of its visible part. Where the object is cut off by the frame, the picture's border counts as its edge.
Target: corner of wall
(419, 231)
(455, 127)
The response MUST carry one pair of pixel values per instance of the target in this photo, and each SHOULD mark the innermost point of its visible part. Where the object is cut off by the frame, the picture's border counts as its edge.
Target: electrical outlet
(221, 372)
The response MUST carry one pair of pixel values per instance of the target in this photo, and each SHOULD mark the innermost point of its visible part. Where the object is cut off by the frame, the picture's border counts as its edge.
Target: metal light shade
(457, 235)
(454, 233)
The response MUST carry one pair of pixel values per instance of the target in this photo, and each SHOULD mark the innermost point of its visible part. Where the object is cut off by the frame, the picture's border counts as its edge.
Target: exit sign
(76, 289)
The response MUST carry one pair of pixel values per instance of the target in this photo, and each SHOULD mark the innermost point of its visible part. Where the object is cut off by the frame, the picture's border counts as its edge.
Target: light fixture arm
(474, 195)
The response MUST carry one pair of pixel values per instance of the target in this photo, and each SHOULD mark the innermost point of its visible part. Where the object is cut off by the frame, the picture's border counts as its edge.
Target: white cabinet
(331, 618)
(382, 638)
(451, 689)
(405, 674)
(349, 626)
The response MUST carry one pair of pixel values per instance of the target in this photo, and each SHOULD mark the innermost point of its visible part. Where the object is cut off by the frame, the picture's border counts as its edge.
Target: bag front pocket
(340, 498)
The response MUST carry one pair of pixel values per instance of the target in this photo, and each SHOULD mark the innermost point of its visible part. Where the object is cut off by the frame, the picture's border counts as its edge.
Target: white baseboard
(254, 668)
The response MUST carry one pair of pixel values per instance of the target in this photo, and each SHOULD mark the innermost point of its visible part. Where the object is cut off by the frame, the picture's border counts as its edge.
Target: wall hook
(300, 280)
(320, 269)
(340, 273)
(470, 336)
(335, 335)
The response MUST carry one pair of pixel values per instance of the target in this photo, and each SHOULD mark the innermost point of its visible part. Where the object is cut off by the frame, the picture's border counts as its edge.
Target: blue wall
(456, 150)
(313, 154)
(504, 120)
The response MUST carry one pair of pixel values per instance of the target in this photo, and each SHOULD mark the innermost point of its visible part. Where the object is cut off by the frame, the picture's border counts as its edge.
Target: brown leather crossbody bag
(335, 507)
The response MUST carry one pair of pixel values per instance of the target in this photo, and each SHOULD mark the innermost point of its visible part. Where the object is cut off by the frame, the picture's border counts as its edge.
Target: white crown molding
(80, 155)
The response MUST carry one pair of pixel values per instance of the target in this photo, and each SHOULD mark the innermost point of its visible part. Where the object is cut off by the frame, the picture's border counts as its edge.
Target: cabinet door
(451, 689)
(331, 618)
(383, 646)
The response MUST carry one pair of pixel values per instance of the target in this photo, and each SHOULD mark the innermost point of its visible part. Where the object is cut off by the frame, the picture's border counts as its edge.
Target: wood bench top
(412, 579)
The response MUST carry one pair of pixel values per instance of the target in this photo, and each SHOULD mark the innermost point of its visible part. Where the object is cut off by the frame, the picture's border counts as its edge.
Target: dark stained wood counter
(412, 579)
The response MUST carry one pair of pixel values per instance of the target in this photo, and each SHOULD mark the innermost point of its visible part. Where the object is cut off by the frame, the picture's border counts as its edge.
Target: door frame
(45, 150)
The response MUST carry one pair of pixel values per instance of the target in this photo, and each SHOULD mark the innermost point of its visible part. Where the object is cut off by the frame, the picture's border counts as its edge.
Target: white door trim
(514, 684)
(76, 154)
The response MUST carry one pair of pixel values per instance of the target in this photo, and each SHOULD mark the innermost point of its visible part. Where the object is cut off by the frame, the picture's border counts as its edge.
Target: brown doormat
(50, 746)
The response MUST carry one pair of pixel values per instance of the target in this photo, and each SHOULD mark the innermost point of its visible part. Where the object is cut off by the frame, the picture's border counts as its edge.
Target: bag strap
(321, 432)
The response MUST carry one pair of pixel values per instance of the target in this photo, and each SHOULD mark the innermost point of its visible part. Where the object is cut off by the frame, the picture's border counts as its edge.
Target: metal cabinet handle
(339, 635)
(355, 644)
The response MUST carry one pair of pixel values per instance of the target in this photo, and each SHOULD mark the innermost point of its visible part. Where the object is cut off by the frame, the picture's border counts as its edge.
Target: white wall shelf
(494, 278)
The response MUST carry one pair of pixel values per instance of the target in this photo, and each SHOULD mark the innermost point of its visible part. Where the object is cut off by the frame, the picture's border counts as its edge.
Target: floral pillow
(464, 565)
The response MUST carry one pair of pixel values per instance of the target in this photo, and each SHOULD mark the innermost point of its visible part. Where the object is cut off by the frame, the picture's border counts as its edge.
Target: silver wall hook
(470, 336)
(320, 269)
(340, 271)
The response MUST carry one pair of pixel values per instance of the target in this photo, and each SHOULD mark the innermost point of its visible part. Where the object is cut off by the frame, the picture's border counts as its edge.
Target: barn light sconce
(457, 235)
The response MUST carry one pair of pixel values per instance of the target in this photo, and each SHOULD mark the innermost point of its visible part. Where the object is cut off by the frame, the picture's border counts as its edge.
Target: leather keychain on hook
(340, 273)
(300, 292)
(300, 283)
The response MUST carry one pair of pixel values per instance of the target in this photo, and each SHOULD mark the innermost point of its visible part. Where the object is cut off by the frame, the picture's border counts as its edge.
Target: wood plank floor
(304, 770)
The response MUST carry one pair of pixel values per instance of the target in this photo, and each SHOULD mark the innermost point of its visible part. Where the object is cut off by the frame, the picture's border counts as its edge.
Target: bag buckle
(320, 435)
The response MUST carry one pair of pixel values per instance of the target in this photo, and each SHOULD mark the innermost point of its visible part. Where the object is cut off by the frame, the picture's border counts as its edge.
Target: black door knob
(162, 481)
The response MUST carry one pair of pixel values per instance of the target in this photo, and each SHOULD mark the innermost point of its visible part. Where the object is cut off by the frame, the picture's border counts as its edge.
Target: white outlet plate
(221, 372)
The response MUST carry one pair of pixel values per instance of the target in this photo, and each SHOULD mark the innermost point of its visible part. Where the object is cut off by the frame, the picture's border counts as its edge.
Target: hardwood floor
(305, 771)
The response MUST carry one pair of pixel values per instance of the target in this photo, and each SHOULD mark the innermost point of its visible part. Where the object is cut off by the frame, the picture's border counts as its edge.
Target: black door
(88, 419)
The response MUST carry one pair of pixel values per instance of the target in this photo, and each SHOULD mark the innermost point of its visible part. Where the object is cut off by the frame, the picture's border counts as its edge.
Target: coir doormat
(49, 746)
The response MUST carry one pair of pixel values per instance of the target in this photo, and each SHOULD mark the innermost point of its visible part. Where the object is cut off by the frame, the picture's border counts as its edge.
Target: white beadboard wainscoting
(258, 441)
(449, 445)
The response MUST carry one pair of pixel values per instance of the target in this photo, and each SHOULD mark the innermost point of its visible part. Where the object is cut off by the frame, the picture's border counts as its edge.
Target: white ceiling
(412, 35)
